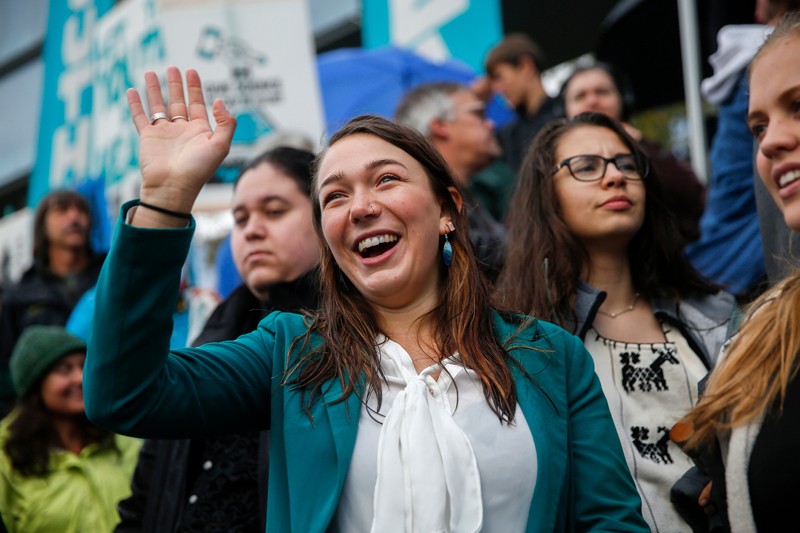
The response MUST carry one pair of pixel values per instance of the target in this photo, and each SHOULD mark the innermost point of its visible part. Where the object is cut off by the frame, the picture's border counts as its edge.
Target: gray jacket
(705, 322)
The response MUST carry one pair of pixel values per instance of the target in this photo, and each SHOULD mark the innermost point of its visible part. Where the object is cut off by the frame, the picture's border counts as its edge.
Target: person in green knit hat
(58, 471)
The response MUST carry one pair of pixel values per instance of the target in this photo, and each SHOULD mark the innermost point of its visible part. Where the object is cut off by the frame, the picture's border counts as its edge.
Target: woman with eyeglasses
(603, 88)
(593, 248)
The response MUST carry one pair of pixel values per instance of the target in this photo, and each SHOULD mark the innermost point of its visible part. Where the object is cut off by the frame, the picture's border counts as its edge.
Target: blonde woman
(749, 414)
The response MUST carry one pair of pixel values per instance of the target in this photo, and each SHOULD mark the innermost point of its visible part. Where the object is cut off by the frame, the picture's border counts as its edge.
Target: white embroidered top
(436, 458)
(649, 387)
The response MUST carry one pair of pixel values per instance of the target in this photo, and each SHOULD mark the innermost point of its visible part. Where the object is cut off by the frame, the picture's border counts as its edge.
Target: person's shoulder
(34, 275)
(716, 307)
(27, 290)
(285, 322)
(542, 349)
(721, 298)
(128, 446)
(5, 422)
(516, 329)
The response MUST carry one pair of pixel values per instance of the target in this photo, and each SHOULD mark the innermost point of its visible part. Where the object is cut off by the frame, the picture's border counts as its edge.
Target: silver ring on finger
(176, 117)
(158, 116)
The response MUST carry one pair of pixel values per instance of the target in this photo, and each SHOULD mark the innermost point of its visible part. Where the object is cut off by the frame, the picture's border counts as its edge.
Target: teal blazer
(134, 385)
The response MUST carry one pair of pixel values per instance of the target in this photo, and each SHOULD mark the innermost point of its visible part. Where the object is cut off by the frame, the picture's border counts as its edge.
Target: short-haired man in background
(453, 118)
(514, 67)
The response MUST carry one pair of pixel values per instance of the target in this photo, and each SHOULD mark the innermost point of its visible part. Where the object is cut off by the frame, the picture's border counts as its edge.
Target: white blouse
(436, 458)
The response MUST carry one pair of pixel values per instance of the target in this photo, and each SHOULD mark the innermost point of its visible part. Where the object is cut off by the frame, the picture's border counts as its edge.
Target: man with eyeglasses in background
(453, 119)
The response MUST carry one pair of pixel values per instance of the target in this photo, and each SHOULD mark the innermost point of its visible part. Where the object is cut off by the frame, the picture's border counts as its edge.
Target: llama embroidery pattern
(646, 376)
(654, 451)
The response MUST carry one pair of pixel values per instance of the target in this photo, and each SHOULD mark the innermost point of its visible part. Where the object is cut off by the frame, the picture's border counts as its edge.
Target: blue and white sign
(128, 41)
(64, 132)
(257, 56)
(438, 29)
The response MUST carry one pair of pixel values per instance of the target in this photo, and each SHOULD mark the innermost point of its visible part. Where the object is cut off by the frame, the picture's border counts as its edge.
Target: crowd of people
(403, 356)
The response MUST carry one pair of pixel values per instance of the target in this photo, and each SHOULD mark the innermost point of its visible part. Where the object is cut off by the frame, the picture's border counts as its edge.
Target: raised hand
(178, 154)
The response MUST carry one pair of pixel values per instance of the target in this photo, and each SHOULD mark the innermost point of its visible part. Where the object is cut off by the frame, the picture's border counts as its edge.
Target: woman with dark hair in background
(603, 88)
(406, 403)
(58, 471)
(220, 483)
(595, 250)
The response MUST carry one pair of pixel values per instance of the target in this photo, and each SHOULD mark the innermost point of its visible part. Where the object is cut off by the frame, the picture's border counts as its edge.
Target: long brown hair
(763, 358)
(461, 321)
(545, 261)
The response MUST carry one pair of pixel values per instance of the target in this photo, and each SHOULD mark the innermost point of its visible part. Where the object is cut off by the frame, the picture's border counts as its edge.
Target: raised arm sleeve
(133, 384)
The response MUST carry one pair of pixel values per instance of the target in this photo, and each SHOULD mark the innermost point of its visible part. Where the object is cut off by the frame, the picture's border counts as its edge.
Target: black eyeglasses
(593, 167)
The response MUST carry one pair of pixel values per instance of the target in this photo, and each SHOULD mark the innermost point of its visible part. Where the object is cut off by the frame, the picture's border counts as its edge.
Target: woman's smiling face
(774, 119)
(382, 221)
(62, 387)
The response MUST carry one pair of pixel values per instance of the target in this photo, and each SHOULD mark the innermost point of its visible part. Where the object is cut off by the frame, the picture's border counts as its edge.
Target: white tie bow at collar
(428, 479)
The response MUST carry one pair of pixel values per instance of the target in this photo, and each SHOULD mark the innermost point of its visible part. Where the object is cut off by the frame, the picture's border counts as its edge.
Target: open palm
(178, 156)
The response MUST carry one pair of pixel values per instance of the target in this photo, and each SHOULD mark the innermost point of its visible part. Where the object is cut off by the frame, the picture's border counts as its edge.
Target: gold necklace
(626, 310)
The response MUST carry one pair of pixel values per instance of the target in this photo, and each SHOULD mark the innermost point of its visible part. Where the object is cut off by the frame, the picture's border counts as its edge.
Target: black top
(515, 137)
(42, 298)
(773, 473)
(488, 238)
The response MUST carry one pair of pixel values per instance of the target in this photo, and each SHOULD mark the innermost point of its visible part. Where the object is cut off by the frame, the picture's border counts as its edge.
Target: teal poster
(64, 129)
(438, 29)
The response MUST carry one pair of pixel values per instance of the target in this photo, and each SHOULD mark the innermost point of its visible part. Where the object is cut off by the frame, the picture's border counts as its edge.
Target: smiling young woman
(596, 250)
(751, 405)
(407, 403)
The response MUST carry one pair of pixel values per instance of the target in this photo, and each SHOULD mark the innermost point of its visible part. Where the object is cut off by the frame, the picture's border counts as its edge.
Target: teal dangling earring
(447, 251)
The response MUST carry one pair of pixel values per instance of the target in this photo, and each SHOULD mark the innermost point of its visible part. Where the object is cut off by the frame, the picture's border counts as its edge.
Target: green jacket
(134, 385)
(80, 493)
